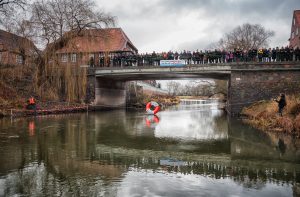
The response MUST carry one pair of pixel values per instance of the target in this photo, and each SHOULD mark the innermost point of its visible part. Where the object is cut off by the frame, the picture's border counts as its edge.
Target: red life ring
(152, 107)
(151, 119)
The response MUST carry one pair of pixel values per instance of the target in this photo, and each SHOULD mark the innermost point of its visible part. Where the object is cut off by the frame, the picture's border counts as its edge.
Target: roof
(14, 43)
(98, 40)
(297, 16)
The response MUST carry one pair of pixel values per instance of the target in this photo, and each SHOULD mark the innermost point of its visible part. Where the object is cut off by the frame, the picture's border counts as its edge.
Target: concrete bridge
(247, 82)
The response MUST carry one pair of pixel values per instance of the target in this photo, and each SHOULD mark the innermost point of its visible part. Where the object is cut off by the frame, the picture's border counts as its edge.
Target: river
(192, 149)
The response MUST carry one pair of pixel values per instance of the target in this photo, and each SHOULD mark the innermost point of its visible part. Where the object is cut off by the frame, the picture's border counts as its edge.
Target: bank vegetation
(264, 115)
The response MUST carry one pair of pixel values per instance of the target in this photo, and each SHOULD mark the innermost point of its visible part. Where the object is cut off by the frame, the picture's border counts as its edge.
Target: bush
(295, 109)
(285, 123)
(263, 115)
(297, 124)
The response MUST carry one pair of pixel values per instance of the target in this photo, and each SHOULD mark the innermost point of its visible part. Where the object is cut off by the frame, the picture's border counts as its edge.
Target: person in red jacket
(31, 105)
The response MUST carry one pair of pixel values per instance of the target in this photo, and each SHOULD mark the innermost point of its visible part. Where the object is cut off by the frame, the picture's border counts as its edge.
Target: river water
(192, 149)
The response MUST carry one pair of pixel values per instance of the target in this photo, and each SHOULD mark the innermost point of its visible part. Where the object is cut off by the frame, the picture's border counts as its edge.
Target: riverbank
(164, 100)
(264, 116)
(46, 109)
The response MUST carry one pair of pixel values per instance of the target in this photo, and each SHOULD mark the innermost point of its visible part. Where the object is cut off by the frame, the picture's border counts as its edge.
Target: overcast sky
(162, 25)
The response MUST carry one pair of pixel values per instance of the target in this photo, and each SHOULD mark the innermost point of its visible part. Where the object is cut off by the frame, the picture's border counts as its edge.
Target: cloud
(162, 25)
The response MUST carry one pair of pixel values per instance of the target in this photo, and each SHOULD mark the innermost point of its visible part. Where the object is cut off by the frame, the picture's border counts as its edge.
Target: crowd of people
(204, 57)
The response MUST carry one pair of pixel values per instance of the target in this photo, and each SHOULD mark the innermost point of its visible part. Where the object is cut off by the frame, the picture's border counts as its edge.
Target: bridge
(247, 82)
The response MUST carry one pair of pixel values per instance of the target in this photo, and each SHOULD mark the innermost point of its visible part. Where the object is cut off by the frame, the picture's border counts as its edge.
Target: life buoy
(152, 107)
(151, 120)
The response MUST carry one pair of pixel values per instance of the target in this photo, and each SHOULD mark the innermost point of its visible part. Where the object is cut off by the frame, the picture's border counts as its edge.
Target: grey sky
(162, 25)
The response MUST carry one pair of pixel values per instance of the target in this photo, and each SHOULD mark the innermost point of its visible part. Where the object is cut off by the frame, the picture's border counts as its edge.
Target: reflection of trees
(296, 189)
(36, 180)
(249, 174)
(247, 142)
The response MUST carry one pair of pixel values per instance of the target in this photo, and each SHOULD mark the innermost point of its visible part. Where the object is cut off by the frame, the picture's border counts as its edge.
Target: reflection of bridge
(243, 81)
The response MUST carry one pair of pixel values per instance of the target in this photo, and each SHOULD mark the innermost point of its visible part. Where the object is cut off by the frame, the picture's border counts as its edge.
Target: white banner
(172, 62)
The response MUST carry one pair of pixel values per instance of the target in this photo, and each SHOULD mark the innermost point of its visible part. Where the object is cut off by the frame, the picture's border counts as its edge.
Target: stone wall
(251, 83)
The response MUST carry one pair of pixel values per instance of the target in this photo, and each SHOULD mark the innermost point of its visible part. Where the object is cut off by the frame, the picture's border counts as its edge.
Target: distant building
(94, 47)
(295, 30)
(16, 50)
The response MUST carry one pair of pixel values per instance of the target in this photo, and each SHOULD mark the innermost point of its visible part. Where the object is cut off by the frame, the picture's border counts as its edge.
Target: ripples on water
(188, 150)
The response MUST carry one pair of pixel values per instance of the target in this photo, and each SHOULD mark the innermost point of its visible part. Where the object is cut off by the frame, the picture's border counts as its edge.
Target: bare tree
(246, 37)
(53, 18)
(173, 87)
(220, 87)
(19, 24)
(204, 87)
(7, 7)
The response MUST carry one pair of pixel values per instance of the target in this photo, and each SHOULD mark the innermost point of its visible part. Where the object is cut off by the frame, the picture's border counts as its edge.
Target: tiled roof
(13, 43)
(98, 40)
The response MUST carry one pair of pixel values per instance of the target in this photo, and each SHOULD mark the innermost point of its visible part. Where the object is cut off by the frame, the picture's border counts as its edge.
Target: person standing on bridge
(281, 103)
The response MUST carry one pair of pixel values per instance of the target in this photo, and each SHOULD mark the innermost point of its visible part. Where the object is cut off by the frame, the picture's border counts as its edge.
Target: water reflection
(202, 123)
(189, 151)
(152, 121)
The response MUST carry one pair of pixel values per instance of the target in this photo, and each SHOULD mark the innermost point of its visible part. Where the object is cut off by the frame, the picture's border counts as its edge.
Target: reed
(264, 115)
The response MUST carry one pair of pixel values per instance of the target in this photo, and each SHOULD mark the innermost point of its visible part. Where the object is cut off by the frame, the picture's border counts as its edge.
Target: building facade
(16, 50)
(295, 30)
(96, 48)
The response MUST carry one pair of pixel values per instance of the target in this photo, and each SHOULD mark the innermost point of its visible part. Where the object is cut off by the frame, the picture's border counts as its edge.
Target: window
(19, 59)
(92, 60)
(294, 21)
(73, 57)
(91, 56)
(293, 35)
(297, 31)
(0, 56)
(64, 58)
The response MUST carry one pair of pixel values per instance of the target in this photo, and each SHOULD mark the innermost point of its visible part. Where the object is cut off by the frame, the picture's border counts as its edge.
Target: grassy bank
(264, 115)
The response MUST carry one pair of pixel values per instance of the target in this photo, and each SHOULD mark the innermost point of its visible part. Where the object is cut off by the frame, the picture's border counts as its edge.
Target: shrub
(263, 115)
(285, 123)
(295, 109)
(297, 124)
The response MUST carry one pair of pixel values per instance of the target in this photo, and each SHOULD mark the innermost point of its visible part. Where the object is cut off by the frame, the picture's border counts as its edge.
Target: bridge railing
(146, 60)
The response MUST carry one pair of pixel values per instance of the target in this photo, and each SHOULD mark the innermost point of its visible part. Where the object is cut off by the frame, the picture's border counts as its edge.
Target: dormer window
(294, 21)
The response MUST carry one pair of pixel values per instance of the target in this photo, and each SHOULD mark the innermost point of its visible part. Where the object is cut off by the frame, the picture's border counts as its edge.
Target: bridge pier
(109, 93)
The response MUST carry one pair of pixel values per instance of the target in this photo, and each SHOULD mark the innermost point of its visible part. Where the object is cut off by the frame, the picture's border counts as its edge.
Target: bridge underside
(166, 76)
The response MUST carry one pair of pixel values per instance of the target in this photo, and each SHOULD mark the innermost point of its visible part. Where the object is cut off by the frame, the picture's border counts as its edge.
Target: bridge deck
(217, 71)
